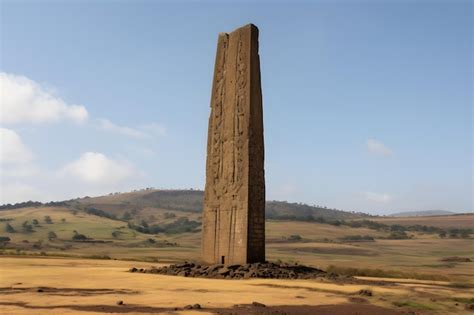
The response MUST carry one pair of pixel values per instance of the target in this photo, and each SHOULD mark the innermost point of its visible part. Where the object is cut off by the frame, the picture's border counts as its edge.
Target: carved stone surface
(234, 199)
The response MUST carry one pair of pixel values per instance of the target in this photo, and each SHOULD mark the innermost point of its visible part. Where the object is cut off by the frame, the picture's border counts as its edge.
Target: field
(443, 221)
(77, 286)
(417, 273)
(320, 244)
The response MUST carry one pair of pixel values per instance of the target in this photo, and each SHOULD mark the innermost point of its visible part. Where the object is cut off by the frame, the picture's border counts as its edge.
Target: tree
(4, 239)
(35, 222)
(169, 215)
(126, 216)
(295, 237)
(28, 228)
(52, 236)
(79, 237)
(48, 220)
(453, 234)
(442, 234)
(9, 228)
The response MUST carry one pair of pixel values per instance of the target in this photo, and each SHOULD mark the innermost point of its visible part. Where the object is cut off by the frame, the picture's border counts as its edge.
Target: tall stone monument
(234, 201)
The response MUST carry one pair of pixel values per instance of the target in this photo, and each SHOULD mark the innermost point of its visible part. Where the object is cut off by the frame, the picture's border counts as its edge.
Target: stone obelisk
(234, 202)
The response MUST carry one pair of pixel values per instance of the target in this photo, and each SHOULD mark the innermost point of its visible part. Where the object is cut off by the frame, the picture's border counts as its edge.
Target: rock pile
(256, 270)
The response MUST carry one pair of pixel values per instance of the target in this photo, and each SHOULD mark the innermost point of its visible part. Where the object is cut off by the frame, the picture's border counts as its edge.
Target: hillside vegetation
(192, 201)
(164, 226)
(422, 213)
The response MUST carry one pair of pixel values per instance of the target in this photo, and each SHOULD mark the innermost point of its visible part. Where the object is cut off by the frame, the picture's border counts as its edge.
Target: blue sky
(367, 104)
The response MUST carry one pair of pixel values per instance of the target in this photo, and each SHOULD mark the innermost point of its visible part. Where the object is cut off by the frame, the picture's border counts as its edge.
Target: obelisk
(234, 201)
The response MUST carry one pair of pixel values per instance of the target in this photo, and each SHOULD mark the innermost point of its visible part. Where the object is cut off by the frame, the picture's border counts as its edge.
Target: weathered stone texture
(234, 201)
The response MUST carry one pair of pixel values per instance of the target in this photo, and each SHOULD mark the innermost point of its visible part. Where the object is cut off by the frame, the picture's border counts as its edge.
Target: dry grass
(321, 247)
(95, 282)
(450, 221)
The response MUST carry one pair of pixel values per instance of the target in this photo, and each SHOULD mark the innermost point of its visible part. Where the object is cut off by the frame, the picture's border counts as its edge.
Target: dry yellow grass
(450, 221)
(321, 246)
(75, 277)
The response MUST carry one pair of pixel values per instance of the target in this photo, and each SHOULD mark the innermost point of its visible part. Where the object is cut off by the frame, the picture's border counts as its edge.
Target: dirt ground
(80, 286)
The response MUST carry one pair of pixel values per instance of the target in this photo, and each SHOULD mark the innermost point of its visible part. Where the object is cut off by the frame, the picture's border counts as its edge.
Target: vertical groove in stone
(234, 202)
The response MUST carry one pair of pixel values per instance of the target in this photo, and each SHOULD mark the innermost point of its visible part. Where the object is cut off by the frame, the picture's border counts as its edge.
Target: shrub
(4, 239)
(27, 228)
(79, 237)
(100, 213)
(21, 205)
(9, 228)
(295, 237)
(126, 216)
(48, 220)
(52, 236)
(35, 222)
(181, 225)
(397, 228)
(169, 215)
(398, 235)
(358, 238)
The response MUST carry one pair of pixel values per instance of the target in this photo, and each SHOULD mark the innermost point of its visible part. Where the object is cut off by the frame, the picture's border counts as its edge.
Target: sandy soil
(79, 286)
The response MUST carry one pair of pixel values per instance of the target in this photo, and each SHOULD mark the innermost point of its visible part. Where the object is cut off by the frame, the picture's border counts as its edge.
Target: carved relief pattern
(230, 192)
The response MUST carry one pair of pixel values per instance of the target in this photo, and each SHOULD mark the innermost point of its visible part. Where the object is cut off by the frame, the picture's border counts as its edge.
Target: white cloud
(12, 149)
(23, 170)
(19, 192)
(378, 148)
(107, 125)
(24, 101)
(143, 131)
(154, 129)
(376, 197)
(96, 168)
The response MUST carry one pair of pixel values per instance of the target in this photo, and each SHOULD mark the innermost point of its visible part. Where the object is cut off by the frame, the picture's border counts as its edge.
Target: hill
(192, 201)
(174, 235)
(424, 213)
(459, 221)
(164, 226)
(141, 204)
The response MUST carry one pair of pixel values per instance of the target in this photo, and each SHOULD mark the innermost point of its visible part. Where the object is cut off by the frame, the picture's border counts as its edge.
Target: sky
(368, 105)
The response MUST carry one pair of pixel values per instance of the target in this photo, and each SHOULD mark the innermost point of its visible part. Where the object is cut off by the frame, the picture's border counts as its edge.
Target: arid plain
(48, 268)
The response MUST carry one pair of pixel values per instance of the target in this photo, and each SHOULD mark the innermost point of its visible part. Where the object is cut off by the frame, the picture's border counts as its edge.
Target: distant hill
(141, 202)
(425, 213)
(192, 201)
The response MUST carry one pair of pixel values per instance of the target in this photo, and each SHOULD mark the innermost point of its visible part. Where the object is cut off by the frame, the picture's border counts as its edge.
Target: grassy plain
(29, 259)
(320, 244)
(442, 221)
(71, 286)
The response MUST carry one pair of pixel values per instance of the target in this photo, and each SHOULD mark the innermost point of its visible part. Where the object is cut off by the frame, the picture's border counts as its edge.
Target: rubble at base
(266, 270)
